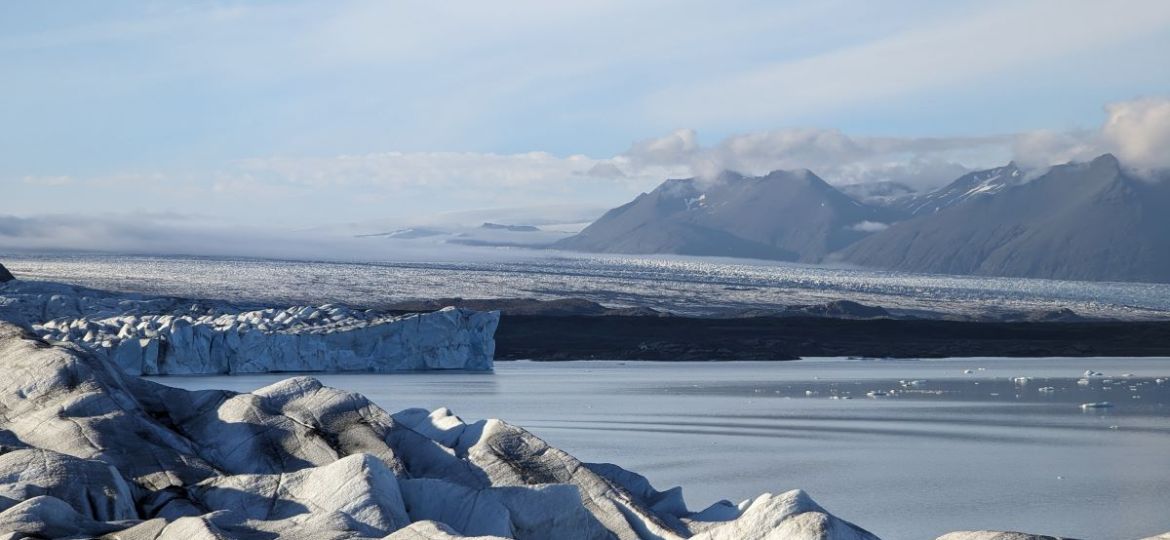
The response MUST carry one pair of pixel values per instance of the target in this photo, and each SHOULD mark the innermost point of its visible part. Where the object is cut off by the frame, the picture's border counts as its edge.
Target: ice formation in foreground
(169, 336)
(87, 451)
(1001, 535)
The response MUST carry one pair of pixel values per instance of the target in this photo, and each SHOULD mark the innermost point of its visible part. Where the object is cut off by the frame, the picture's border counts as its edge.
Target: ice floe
(1096, 405)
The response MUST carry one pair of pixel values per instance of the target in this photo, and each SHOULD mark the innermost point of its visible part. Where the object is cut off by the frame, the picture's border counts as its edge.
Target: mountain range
(1081, 221)
(786, 215)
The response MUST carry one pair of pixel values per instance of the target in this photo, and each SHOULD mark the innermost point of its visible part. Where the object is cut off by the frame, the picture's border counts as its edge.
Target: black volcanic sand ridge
(790, 338)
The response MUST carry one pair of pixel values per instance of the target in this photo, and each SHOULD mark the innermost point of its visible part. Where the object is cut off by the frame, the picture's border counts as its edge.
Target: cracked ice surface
(170, 336)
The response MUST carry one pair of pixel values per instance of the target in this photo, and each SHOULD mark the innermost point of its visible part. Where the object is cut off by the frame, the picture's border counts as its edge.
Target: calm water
(952, 451)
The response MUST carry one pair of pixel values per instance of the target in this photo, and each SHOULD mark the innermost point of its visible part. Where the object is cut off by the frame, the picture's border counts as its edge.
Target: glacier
(174, 336)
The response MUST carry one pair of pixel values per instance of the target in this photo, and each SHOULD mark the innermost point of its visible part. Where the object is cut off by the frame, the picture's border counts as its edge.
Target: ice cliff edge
(172, 336)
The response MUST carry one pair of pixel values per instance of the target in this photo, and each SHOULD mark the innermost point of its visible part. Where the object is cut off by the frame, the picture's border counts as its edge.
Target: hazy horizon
(141, 119)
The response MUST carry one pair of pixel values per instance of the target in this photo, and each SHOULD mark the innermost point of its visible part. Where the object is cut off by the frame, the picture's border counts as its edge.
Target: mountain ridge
(785, 215)
(1092, 220)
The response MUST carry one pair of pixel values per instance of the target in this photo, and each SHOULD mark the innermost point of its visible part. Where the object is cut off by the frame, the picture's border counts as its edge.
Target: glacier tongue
(170, 336)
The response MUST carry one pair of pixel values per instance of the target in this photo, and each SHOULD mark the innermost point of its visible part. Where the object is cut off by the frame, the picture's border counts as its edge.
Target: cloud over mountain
(1136, 131)
(1139, 132)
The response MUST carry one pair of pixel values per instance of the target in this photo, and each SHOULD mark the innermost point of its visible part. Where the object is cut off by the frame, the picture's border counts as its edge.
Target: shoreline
(617, 337)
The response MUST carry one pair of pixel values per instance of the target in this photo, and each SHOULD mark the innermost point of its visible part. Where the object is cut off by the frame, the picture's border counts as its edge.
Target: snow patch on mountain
(976, 184)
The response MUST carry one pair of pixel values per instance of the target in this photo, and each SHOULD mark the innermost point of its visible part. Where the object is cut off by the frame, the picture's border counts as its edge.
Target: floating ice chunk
(1046, 390)
(1091, 373)
(1022, 380)
(1083, 382)
(1096, 405)
(967, 372)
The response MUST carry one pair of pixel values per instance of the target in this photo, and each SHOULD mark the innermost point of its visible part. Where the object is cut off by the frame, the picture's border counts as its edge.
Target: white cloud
(398, 170)
(605, 169)
(1139, 131)
(835, 156)
(1136, 131)
(869, 226)
(678, 146)
(188, 235)
(1042, 148)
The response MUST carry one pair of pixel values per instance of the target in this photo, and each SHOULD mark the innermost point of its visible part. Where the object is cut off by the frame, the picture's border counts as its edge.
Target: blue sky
(297, 114)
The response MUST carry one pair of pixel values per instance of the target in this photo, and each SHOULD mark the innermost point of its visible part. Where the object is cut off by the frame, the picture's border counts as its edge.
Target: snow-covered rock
(788, 515)
(359, 488)
(169, 336)
(81, 483)
(87, 450)
(49, 517)
(995, 535)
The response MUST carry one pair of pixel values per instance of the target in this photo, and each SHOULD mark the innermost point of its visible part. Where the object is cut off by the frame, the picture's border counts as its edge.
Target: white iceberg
(90, 451)
(1096, 405)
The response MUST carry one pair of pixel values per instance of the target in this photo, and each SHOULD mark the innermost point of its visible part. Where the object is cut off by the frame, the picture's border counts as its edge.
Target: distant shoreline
(616, 337)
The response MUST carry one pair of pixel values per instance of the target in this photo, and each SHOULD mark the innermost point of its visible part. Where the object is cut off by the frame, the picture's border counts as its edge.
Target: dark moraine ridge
(539, 337)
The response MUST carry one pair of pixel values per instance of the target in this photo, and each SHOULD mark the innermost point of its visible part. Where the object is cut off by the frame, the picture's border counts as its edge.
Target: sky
(287, 116)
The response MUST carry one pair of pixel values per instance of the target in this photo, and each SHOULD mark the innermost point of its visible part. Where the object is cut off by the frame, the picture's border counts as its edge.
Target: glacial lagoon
(905, 448)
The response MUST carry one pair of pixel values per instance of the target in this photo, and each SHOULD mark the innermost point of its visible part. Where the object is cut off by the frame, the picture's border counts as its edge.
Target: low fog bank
(165, 234)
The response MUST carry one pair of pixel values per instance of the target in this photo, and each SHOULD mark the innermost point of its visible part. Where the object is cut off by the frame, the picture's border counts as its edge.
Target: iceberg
(172, 336)
(995, 535)
(87, 450)
(1096, 405)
